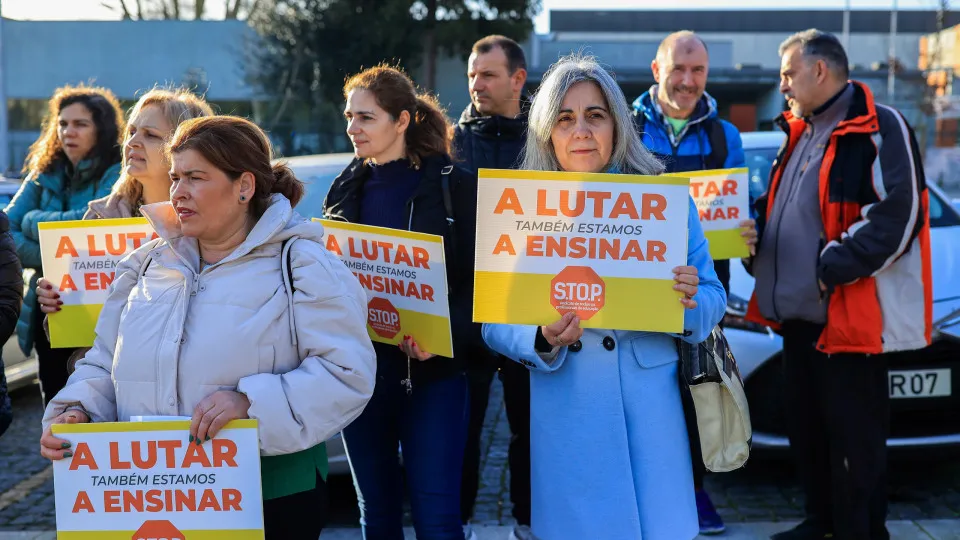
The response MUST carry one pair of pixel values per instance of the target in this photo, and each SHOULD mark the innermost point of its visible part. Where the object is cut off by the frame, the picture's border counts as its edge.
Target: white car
(924, 385)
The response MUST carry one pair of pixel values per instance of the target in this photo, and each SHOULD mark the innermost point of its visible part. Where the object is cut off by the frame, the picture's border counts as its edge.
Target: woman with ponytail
(420, 401)
(242, 313)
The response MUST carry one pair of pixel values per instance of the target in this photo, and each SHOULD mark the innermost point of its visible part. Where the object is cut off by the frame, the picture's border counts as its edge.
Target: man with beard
(490, 135)
(679, 124)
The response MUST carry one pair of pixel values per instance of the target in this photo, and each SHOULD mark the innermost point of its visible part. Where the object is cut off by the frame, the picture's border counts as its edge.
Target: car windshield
(316, 184)
(760, 161)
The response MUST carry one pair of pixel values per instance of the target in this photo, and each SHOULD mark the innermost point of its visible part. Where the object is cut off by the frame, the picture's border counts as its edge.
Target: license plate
(922, 383)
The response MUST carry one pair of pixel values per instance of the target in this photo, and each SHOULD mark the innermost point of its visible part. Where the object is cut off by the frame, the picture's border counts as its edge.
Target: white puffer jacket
(172, 337)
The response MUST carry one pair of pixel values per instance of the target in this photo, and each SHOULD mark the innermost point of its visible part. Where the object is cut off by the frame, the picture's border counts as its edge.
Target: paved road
(763, 492)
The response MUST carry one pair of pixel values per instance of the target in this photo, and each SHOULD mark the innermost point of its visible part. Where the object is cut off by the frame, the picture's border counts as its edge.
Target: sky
(93, 9)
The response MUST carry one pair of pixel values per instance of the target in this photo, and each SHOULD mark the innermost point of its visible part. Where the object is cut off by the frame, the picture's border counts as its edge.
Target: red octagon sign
(578, 289)
(383, 318)
(158, 530)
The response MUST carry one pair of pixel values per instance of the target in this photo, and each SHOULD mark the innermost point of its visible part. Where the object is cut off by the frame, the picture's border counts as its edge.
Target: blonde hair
(177, 105)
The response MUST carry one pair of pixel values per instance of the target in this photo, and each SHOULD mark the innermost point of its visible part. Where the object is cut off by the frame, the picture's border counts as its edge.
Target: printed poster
(145, 480)
(405, 278)
(723, 201)
(80, 258)
(602, 245)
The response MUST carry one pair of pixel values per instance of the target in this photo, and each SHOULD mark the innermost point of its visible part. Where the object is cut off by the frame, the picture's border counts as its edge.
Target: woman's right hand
(564, 332)
(49, 299)
(53, 448)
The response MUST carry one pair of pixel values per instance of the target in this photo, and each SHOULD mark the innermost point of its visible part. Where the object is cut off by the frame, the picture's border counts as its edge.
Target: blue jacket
(614, 395)
(60, 194)
(687, 150)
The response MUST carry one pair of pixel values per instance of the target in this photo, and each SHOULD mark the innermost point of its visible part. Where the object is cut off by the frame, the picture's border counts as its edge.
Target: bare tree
(177, 9)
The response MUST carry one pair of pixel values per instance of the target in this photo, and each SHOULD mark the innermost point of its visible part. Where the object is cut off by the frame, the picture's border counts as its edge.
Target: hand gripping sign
(79, 258)
(405, 278)
(602, 245)
(145, 480)
(723, 201)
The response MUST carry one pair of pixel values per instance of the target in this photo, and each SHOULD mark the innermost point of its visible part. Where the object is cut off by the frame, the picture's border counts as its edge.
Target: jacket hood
(277, 224)
(648, 106)
(111, 206)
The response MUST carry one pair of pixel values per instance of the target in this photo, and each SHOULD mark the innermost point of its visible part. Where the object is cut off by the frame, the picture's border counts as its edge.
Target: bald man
(679, 123)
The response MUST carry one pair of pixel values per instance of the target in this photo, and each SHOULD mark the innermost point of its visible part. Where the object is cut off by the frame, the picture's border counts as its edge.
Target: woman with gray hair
(608, 440)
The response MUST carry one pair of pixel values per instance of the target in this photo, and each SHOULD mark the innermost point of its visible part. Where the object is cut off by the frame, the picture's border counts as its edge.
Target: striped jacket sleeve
(889, 224)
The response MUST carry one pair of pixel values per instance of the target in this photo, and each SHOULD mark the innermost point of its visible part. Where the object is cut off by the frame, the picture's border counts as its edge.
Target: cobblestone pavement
(765, 491)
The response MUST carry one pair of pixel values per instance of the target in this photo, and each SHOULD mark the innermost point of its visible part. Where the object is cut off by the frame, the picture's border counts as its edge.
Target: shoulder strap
(448, 206)
(718, 145)
(286, 271)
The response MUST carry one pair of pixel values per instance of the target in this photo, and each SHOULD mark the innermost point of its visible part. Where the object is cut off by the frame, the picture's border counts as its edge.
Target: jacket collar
(111, 206)
(64, 172)
(648, 105)
(163, 218)
(861, 116)
(496, 126)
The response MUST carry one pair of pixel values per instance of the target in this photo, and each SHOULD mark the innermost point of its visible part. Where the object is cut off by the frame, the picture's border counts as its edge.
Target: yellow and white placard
(602, 245)
(405, 278)
(79, 258)
(147, 480)
(723, 201)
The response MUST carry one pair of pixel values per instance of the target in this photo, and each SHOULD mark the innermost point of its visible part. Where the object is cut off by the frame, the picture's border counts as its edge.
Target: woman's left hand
(687, 282)
(211, 414)
(412, 350)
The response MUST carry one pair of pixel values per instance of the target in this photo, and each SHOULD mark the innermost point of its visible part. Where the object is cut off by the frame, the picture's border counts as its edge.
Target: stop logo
(383, 318)
(158, 530)
(578, 289)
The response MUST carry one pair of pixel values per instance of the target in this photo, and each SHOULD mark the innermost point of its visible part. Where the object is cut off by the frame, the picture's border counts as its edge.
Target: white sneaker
(468, 533)
(522, 532)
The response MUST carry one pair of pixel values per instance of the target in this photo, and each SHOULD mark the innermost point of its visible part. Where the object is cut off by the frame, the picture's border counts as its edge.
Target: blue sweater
(385, 194)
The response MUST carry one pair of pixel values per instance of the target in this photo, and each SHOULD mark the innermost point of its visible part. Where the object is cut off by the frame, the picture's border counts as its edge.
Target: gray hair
(821, 45)
(629, 155)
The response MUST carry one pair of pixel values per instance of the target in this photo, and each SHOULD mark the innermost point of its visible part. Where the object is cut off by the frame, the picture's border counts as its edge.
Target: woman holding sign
(608, 439)
(420, 401)
(75, 160)
(236, 311)
(146, 171)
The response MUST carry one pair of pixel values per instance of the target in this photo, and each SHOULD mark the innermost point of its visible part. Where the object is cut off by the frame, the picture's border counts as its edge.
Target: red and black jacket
(876, 256)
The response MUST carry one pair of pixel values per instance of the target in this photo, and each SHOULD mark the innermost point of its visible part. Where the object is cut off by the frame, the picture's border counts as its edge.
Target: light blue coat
(609, 451)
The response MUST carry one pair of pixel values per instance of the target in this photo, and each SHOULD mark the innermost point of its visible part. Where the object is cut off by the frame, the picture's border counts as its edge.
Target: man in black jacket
(490, 135)
(11, 297)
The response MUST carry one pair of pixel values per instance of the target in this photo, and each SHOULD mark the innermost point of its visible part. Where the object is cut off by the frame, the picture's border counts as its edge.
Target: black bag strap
(718, 144)
(448, 206)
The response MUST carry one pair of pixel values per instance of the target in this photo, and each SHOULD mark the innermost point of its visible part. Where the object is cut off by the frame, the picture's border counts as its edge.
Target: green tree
(452, 26)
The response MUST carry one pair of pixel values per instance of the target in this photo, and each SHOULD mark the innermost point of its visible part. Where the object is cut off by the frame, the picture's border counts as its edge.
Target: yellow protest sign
(602, 245)
(404, 275)
(145, 480)
(79, 258)
(723, 201)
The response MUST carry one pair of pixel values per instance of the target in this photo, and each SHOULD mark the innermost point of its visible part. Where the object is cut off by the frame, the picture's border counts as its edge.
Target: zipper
(408, 382)
(776, 242)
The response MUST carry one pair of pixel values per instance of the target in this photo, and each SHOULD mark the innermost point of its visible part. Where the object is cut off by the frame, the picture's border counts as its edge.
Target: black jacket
(489, 142)
(11, 297)
(426, 214)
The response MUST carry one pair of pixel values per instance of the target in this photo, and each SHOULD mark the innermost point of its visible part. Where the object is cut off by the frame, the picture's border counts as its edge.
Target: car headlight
(736, 316)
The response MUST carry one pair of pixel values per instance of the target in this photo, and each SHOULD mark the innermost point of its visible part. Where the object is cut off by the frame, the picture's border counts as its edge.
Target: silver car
(924, 385)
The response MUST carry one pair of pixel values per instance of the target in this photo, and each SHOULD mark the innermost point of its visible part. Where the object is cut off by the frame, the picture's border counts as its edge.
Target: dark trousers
(516, 398)
(430, 426)
(838, 419)
(300, 516)
(52, 369)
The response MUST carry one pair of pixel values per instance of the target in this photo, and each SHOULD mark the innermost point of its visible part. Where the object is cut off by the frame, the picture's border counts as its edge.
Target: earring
(243, 198)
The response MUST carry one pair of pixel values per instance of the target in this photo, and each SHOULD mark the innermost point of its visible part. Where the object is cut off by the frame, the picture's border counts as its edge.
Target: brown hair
(47, 151)
(177, 105)
(236, 145)
(511, 49)
(427, 134)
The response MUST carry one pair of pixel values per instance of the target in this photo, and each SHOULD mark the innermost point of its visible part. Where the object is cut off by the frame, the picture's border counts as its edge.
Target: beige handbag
(723, 416)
